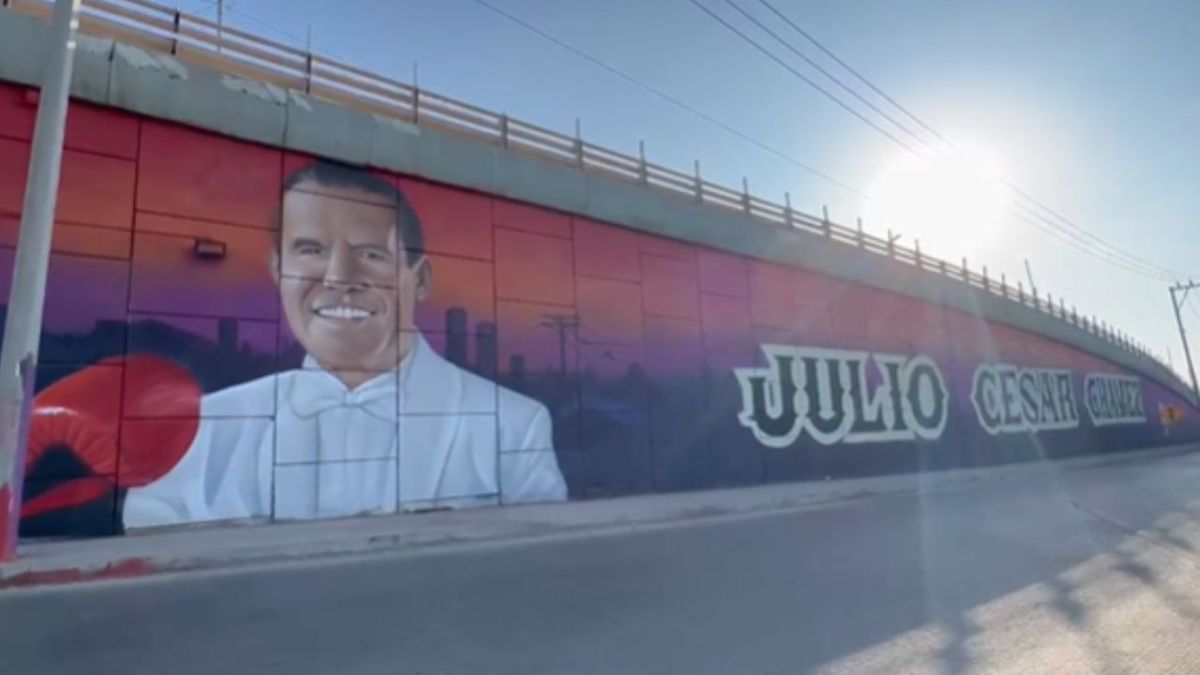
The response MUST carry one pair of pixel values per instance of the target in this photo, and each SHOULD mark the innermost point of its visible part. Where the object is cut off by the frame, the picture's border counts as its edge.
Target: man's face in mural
(346, 284)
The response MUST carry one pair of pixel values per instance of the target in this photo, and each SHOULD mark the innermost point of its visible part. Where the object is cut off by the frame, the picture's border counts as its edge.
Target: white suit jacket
(299, 444)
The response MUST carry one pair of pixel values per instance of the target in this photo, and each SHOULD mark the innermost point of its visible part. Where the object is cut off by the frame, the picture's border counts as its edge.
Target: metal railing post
(749, 203)
(643, 172)
(175, 21)
(578, 143)
(416, 87)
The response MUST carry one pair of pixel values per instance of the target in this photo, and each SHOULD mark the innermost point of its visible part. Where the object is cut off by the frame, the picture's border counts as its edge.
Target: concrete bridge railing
(197, 40)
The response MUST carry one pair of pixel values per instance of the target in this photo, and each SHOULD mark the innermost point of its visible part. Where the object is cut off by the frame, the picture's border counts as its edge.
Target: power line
(1165, 272)
(816, 66)
(1075, 244)
(852, 71)
(829, 95)
(1133, 263)
(1150, 269)
(1046, 227)
(1107, 255)
(1064, 238)
(1063, 221)
(671, 99)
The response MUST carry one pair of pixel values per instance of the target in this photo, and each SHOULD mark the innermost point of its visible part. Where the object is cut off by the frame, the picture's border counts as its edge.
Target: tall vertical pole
(23, 324)
(416, 83)
(1187, 352)
(561, 323)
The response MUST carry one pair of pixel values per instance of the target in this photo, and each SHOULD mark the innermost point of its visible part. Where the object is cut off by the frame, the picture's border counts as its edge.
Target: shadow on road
(1083, 571)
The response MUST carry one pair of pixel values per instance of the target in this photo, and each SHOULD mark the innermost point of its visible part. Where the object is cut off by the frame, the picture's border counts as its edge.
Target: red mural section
(241, 335)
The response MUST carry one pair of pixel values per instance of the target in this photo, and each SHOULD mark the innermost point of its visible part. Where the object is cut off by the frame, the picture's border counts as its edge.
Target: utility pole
(23, 323)
(561, 323)
(1029, 275)
(1176, 304)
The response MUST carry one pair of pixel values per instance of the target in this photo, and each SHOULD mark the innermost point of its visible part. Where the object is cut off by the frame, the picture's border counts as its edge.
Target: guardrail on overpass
(202, 41)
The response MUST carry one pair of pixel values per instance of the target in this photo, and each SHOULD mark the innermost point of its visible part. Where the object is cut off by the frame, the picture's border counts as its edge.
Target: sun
(953, 202)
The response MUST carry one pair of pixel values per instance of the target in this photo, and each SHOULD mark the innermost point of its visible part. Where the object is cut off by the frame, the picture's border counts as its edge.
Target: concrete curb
(231, 545)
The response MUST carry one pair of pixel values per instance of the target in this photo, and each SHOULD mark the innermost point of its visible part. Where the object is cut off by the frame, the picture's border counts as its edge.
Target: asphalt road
(1094, 570)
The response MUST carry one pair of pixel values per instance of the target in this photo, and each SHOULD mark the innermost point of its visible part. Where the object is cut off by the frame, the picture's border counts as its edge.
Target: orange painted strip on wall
(455, 222)
(93, 189)
(96, 190)
(17, 112)
(84, 240)
(205, 176)
(534, 267)
(670, 287)
(610, 311)
(517, 216)
(722, 273)
(458, 282)
(605, 251)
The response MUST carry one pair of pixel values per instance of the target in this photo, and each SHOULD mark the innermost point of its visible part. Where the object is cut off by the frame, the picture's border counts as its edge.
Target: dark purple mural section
(241, 332)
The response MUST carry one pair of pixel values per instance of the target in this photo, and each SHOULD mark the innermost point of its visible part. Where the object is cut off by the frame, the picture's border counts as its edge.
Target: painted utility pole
(1176, 304)
(562, 324)
(23, 323)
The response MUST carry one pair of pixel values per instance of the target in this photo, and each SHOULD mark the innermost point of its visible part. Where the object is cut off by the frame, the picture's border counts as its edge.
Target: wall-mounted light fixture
(209, 249)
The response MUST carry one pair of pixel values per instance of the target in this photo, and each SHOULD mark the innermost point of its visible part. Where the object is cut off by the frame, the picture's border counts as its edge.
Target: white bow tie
(313, 393)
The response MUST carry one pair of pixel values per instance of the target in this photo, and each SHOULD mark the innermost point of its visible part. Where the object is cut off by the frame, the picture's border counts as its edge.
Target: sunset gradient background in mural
(629, 339)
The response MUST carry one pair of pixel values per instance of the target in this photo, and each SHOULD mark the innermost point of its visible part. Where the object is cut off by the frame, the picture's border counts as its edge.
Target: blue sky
(1093, 106)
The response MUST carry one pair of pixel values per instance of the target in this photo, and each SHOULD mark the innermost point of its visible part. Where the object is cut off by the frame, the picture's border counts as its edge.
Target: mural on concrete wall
(235, 331)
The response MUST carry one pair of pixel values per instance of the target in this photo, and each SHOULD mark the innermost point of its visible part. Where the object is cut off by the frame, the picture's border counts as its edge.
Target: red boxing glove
(136, 445)
(161, 415)
(80, 412)
(67, 494)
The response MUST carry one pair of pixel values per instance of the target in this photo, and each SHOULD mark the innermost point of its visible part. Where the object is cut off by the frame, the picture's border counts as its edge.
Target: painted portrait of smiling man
(371, 421)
